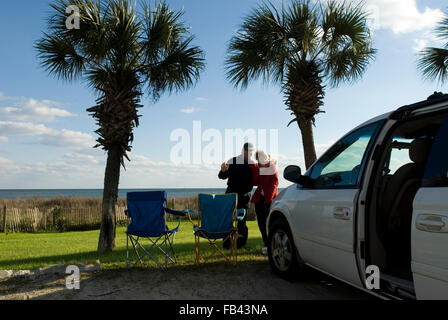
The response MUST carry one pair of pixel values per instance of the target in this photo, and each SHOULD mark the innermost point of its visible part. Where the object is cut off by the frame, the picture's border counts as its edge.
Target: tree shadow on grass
(185, 253)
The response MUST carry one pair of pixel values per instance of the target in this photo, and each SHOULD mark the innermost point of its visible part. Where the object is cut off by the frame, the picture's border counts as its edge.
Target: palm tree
(300, 48)
(120, 53)
(433, 62)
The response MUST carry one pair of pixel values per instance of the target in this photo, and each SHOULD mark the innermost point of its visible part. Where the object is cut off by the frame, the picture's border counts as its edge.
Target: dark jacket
(240, 177)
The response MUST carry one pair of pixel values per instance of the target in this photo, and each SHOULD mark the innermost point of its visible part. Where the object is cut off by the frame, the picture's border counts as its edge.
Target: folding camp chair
(146, 212)
(217, 219)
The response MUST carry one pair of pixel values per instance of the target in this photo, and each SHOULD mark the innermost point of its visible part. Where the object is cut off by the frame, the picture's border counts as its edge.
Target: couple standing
(243, 174)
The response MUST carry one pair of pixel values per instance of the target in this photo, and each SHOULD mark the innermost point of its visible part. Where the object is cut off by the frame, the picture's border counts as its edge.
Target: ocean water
(88, 193)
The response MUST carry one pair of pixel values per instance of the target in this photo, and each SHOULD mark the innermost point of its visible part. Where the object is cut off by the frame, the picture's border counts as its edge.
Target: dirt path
(246, 281)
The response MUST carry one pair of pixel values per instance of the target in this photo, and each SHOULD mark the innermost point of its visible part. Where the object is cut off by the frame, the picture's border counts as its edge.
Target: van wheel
(283, 256)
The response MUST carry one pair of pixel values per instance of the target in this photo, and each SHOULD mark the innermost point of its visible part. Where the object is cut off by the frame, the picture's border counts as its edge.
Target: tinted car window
(340, 166)
(436, 172)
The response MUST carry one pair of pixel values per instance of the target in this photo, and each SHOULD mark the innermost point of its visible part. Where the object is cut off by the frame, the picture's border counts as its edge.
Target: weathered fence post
(4, 219)
(44, 213)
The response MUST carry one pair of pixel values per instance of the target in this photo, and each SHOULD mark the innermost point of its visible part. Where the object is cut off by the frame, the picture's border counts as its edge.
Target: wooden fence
(61, 219)
(66, 219)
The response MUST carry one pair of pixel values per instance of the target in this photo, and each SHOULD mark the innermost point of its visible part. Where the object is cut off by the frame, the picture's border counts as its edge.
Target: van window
(436, 172)
(341, 165)
(399, 155)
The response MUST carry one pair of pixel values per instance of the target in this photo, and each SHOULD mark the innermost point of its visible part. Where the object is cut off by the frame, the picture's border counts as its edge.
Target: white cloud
(202, 99)
(84, 158)
(189, 110)
(68, 138)
(48, 136)
(8, 168)
(402, 16)
(32, 110)
(23, 128)
(3, 97)
(3, 139)
(61, 173)
(420, 44)
(5, 162)
(75, 170)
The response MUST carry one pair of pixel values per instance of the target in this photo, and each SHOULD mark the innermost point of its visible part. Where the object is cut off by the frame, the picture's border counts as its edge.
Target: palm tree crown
(299, 48)
(120, 53)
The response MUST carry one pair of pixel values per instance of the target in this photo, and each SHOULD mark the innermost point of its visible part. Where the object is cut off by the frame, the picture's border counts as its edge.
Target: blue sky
(46, 135)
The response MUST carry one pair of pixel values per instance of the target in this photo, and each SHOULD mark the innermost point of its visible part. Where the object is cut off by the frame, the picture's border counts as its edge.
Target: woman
(266, 180)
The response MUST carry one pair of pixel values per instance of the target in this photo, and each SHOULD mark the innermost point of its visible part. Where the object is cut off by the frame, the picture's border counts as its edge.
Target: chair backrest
(147, 211)
(217, 211)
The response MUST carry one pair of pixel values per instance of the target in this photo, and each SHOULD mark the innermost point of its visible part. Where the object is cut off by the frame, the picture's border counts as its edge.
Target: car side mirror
(292, 174)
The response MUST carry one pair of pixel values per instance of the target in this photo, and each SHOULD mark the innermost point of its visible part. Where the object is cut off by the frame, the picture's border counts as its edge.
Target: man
(239, 172)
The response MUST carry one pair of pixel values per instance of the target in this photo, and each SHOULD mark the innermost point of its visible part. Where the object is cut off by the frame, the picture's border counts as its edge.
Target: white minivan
(374, 204)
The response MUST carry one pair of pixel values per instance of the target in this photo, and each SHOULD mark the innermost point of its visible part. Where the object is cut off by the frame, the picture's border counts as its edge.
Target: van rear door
(429, 234)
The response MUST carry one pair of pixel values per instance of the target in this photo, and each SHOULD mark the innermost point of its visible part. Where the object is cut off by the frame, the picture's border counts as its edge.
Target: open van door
(429, 234)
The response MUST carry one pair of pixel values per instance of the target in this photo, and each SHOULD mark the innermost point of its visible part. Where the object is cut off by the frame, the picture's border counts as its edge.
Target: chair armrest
(240, 214)
(188, 211)
(175, 212)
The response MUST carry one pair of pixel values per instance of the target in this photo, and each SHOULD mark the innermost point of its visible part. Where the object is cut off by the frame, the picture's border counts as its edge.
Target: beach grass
(23, 251)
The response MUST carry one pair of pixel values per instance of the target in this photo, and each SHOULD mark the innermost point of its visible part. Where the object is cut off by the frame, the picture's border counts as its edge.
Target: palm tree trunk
(306, 129)
(106, 241)
(304, 94)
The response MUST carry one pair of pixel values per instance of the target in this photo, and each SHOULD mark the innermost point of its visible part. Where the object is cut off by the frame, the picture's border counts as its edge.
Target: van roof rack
(436, 97)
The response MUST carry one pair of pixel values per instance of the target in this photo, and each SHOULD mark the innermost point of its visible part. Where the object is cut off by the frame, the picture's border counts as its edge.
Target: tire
(282, 252)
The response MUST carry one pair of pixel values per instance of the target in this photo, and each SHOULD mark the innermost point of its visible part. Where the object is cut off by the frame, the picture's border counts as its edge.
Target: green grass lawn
(20, 251)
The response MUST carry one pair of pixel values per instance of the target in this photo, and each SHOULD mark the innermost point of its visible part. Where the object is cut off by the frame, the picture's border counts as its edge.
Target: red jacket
(267, 183)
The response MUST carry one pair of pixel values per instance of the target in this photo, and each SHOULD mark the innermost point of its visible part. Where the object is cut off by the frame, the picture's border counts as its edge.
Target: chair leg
(232, 248)
(171, 252)
(135, 251)
(127, 251)
(197, 249)
(172, 246)
(167, 250)
(235, 240)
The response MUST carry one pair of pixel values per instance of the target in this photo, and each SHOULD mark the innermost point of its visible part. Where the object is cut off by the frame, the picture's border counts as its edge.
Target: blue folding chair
(146, 214)
(217, 219)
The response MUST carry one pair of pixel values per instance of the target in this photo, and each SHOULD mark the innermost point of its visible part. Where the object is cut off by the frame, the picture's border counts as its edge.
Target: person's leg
(260, 209)
(243, 231)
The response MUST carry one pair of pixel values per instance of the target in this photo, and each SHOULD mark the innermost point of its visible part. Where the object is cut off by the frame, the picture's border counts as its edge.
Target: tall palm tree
(433, 62)
(120, 53)
(300, 48)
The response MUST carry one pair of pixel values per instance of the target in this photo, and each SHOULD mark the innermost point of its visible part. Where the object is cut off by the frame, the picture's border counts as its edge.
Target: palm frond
(347, 43)
(90, 38)
(433, 64)
(170, 63)
(60, 58)
(163, 27)
(177, 70)
(123, 34)
(259, 49)
(302, 23)
(442, 30)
